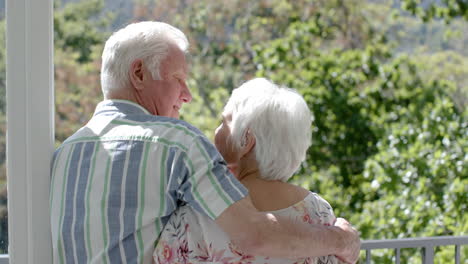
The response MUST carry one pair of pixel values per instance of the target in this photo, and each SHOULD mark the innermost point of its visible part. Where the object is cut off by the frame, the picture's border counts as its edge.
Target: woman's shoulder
(318, 202)
(298, 189)
(309, 197)
(286, 195)
(309, 207)
(318, 209)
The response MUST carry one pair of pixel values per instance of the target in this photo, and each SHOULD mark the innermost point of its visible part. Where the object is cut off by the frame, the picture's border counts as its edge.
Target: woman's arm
(265, 234)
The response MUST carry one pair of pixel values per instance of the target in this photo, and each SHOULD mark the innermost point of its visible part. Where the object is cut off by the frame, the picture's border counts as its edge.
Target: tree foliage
(78, 27)
(390, 133)
(79, 36)
(444, 9)
(390, 140)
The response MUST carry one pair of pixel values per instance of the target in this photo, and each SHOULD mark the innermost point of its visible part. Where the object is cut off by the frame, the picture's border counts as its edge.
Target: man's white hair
(148, 41)
(280, 121)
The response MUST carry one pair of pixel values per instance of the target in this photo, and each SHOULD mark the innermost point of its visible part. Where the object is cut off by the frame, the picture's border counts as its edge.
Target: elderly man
(118, 179)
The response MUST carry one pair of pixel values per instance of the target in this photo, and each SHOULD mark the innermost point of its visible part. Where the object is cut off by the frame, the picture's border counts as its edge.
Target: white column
(30, 128)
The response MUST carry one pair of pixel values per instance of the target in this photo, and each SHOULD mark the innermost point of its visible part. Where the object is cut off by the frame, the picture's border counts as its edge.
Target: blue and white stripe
(117, 180)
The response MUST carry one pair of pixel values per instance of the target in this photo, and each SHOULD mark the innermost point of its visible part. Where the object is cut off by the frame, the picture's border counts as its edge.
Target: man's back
(117, 180)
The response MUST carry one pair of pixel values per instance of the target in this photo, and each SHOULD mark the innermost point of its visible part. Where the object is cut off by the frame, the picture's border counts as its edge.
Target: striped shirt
(117, 180)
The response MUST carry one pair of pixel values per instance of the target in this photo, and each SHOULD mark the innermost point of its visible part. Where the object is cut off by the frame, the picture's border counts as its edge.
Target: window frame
(30, 129)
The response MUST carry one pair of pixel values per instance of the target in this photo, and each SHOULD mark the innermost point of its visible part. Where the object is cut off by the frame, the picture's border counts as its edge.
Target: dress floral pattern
(192, 238)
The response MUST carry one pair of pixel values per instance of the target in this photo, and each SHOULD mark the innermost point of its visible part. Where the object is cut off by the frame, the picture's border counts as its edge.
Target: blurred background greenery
(387, 82)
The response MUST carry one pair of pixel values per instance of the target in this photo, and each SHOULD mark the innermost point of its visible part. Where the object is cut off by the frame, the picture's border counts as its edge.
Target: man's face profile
(168, 94)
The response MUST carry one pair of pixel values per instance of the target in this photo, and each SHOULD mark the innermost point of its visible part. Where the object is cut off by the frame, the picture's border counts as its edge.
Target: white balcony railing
(426, 244)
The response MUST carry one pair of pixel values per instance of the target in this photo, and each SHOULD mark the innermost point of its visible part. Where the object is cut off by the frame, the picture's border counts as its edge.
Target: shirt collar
(120, 106)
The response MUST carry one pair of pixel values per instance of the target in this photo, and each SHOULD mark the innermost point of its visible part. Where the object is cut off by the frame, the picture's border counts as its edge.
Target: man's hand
(264, 234)
(351, 242)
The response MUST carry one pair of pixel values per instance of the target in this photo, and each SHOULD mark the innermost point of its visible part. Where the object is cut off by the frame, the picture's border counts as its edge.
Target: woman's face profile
(223, 140)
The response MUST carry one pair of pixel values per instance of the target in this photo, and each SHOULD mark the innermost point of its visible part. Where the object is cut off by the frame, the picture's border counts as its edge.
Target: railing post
(457, 254)
(368, 256)
(397, 255)
(428, 255)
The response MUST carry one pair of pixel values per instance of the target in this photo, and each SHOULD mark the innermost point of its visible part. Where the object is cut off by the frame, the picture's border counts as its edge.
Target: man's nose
(186, 95)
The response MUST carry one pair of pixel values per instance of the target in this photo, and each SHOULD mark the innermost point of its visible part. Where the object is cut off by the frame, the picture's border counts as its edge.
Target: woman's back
(190, 237)
(264, 137)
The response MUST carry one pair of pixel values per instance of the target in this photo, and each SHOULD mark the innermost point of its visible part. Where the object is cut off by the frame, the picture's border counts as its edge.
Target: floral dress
(190, 237)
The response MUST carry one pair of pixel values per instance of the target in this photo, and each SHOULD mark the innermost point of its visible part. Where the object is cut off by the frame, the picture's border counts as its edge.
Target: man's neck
(122, 95)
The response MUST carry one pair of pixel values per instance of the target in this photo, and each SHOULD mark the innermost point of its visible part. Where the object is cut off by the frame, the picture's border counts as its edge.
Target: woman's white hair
(280, 121)
(148, 41)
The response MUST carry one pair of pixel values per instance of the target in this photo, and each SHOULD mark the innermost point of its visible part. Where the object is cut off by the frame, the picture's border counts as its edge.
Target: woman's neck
(248, 173)
(245, 167)
(251, 180)
(268, 195)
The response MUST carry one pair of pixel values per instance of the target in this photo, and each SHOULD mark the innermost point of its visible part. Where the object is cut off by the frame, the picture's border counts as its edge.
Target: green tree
(385, 133)
(80, 32)
(388, 126)
(445, 9)
(389, 140)
(79, 27)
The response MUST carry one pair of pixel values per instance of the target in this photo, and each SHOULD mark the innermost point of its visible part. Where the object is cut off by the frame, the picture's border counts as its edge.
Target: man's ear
(136, 74)
(247, 143)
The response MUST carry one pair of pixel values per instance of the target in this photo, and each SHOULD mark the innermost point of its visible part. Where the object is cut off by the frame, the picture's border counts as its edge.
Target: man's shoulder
(139, 127)
(155, 122)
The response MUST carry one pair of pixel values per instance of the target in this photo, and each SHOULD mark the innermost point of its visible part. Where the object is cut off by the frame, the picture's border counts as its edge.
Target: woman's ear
(247, 143)
(136, 74)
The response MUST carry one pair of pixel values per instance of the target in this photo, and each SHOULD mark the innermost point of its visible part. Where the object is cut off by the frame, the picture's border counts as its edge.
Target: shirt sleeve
(325, 211)
(322, 209)
(208, 187)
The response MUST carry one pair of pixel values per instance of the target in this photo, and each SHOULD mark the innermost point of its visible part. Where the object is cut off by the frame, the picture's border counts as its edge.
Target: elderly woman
(264, 136)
